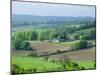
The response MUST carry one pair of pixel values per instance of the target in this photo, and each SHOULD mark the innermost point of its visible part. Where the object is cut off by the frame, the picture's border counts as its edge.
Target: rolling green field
(86, 30)
(41, 65)
(35, 63)
(87, 64)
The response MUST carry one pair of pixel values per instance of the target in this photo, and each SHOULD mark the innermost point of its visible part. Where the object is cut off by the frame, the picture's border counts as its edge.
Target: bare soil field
(85, 54)
(80, 55)
(46, 47)
(20, 52)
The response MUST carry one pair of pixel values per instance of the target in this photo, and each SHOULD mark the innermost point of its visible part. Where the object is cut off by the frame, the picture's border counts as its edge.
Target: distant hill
(45, 21)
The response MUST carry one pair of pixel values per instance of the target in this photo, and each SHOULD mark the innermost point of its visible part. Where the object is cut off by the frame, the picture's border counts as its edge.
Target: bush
(16, 69)
(58, 51)
(72, 66)
(25, 46)
(35, 70)
(81, 44)
(75, 66)
(54, 61)
(32, 55)
(19, 44)
(64, 60)
(94, 65)
(46, 58)
(90, 44)
(82, 68)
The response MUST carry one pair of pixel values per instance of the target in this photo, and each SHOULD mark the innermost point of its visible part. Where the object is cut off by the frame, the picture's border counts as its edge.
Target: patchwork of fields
(46, 47)
(84, 57)
(53, 43)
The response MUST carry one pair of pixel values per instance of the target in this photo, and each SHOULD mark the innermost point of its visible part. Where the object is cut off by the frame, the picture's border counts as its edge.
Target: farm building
(57, 40)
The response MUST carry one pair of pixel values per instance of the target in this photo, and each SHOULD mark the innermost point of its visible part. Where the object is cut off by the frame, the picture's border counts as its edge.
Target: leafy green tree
(25, 45)
(15, 69)
(76, 36)
(85, 37)
(81, 44)
(81, 37)
(32, 35)
(64, 60)
(88, 36)
(16, 43)
(93, 34)
(53, 35)
(44, 35)
(18, 35)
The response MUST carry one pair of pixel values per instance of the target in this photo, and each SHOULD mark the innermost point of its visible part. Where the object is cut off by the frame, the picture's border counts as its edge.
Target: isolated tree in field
(64, 61)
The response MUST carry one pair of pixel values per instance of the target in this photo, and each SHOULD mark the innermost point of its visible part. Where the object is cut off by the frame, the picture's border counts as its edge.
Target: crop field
(85, 54)
(84, 58)
(48, 47)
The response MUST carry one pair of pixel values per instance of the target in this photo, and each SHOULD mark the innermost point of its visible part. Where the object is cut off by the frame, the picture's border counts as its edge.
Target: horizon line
(53, 15)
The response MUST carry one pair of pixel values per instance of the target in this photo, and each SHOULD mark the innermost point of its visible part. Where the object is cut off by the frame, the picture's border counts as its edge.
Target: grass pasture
(41, 65)
(35, 63)
(88, 64)
(86, 30)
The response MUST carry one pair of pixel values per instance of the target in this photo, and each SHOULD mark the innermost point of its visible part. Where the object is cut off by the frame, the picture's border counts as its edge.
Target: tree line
(20, 38)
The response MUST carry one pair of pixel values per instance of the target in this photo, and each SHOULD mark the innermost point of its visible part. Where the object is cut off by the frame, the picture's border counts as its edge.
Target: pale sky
(44, 9)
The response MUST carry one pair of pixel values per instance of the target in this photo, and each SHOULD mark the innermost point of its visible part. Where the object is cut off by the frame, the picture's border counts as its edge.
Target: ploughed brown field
(45, 47)
(85, 54)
